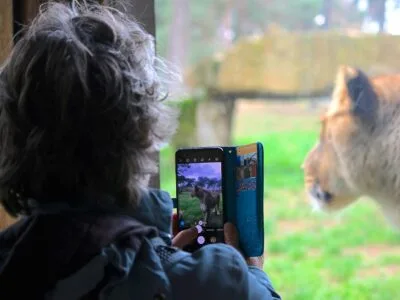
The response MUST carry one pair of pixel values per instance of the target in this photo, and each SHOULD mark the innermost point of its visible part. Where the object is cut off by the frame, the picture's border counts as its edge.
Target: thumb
(231, 235)
(185, 237)
(175, 226)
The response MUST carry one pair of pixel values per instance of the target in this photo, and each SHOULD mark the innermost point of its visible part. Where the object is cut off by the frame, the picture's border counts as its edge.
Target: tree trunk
(327, 7)
(214, 115)
(377, 10)
(225, 30)
(381, 15)
(179, 41)
(214, 118)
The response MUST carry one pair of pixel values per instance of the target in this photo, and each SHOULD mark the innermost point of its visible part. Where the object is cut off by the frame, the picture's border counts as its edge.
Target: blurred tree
(179, 34)
(190, 182)
(202, 181)
(377, 11)
(189, 30)
(225, 30)
(327, 6)
(299, 15)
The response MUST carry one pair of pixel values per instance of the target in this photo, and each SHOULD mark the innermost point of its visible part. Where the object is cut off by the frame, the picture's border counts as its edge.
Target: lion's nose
(320, 194)
(326, 196)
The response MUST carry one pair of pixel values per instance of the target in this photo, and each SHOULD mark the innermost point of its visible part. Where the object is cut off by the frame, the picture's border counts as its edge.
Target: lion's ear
(356, 92)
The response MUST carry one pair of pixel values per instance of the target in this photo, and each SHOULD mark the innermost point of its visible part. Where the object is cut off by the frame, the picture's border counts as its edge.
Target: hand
(184, 237)
(232, 239)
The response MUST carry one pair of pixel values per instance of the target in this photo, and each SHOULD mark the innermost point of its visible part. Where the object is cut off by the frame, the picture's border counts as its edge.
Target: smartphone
(199, 193)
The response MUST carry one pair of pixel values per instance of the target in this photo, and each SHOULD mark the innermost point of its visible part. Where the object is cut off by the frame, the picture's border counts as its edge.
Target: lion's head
(358, 151)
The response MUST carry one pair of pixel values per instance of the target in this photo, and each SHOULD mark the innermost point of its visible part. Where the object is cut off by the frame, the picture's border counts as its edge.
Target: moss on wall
(294, 63)
(186, 133)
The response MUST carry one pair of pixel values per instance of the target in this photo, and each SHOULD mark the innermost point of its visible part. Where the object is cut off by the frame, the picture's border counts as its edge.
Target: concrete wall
(295, 63)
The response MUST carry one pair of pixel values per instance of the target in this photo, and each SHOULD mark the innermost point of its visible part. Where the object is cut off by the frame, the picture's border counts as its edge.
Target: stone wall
(295, 63)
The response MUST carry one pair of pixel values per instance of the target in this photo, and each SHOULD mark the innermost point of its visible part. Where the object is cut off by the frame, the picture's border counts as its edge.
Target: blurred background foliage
(248, 65)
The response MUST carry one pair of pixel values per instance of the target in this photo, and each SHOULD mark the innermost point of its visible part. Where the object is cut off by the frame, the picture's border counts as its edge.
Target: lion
(208, 201)
(358, 150)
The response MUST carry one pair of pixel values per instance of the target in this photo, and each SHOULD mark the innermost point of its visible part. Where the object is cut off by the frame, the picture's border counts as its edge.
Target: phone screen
(199, 186)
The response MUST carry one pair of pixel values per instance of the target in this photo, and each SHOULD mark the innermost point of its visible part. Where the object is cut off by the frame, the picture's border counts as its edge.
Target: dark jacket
(93, 253)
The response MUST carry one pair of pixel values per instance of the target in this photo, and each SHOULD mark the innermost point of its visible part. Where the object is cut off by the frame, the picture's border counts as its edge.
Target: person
(81, 114)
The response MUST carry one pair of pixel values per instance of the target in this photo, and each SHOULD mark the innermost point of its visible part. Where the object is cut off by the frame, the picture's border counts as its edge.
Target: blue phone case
(244, 200)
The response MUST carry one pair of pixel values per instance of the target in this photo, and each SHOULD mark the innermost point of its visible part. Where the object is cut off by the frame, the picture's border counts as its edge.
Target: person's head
(80, 108)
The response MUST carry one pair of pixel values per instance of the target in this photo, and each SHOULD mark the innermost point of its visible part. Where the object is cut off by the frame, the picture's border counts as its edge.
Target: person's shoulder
(213, 256)
(212, 272)
(154, 209)
(217, 251)
(218, 271)
(158, 193)
(222, 256)
(157, 199)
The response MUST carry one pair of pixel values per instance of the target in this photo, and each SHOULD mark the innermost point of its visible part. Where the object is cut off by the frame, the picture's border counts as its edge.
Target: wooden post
(6, 28)
(6, 34)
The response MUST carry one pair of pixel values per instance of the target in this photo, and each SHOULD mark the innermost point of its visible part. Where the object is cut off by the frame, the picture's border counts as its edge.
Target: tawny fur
(355, 158)
(208, 201)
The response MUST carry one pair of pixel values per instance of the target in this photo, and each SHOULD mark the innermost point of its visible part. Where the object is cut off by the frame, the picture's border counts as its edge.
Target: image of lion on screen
(200, 194)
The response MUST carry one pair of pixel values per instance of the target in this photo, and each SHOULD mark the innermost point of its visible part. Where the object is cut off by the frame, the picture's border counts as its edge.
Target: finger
(175, 224)
(185, 237)
(256, 261)
(231, 235)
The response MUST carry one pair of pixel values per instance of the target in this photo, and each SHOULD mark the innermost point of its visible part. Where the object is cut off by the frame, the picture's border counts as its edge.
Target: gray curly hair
(81, 108)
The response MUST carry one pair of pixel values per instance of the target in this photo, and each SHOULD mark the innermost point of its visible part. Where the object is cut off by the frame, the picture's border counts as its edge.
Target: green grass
(309, 255)
(190, 208)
